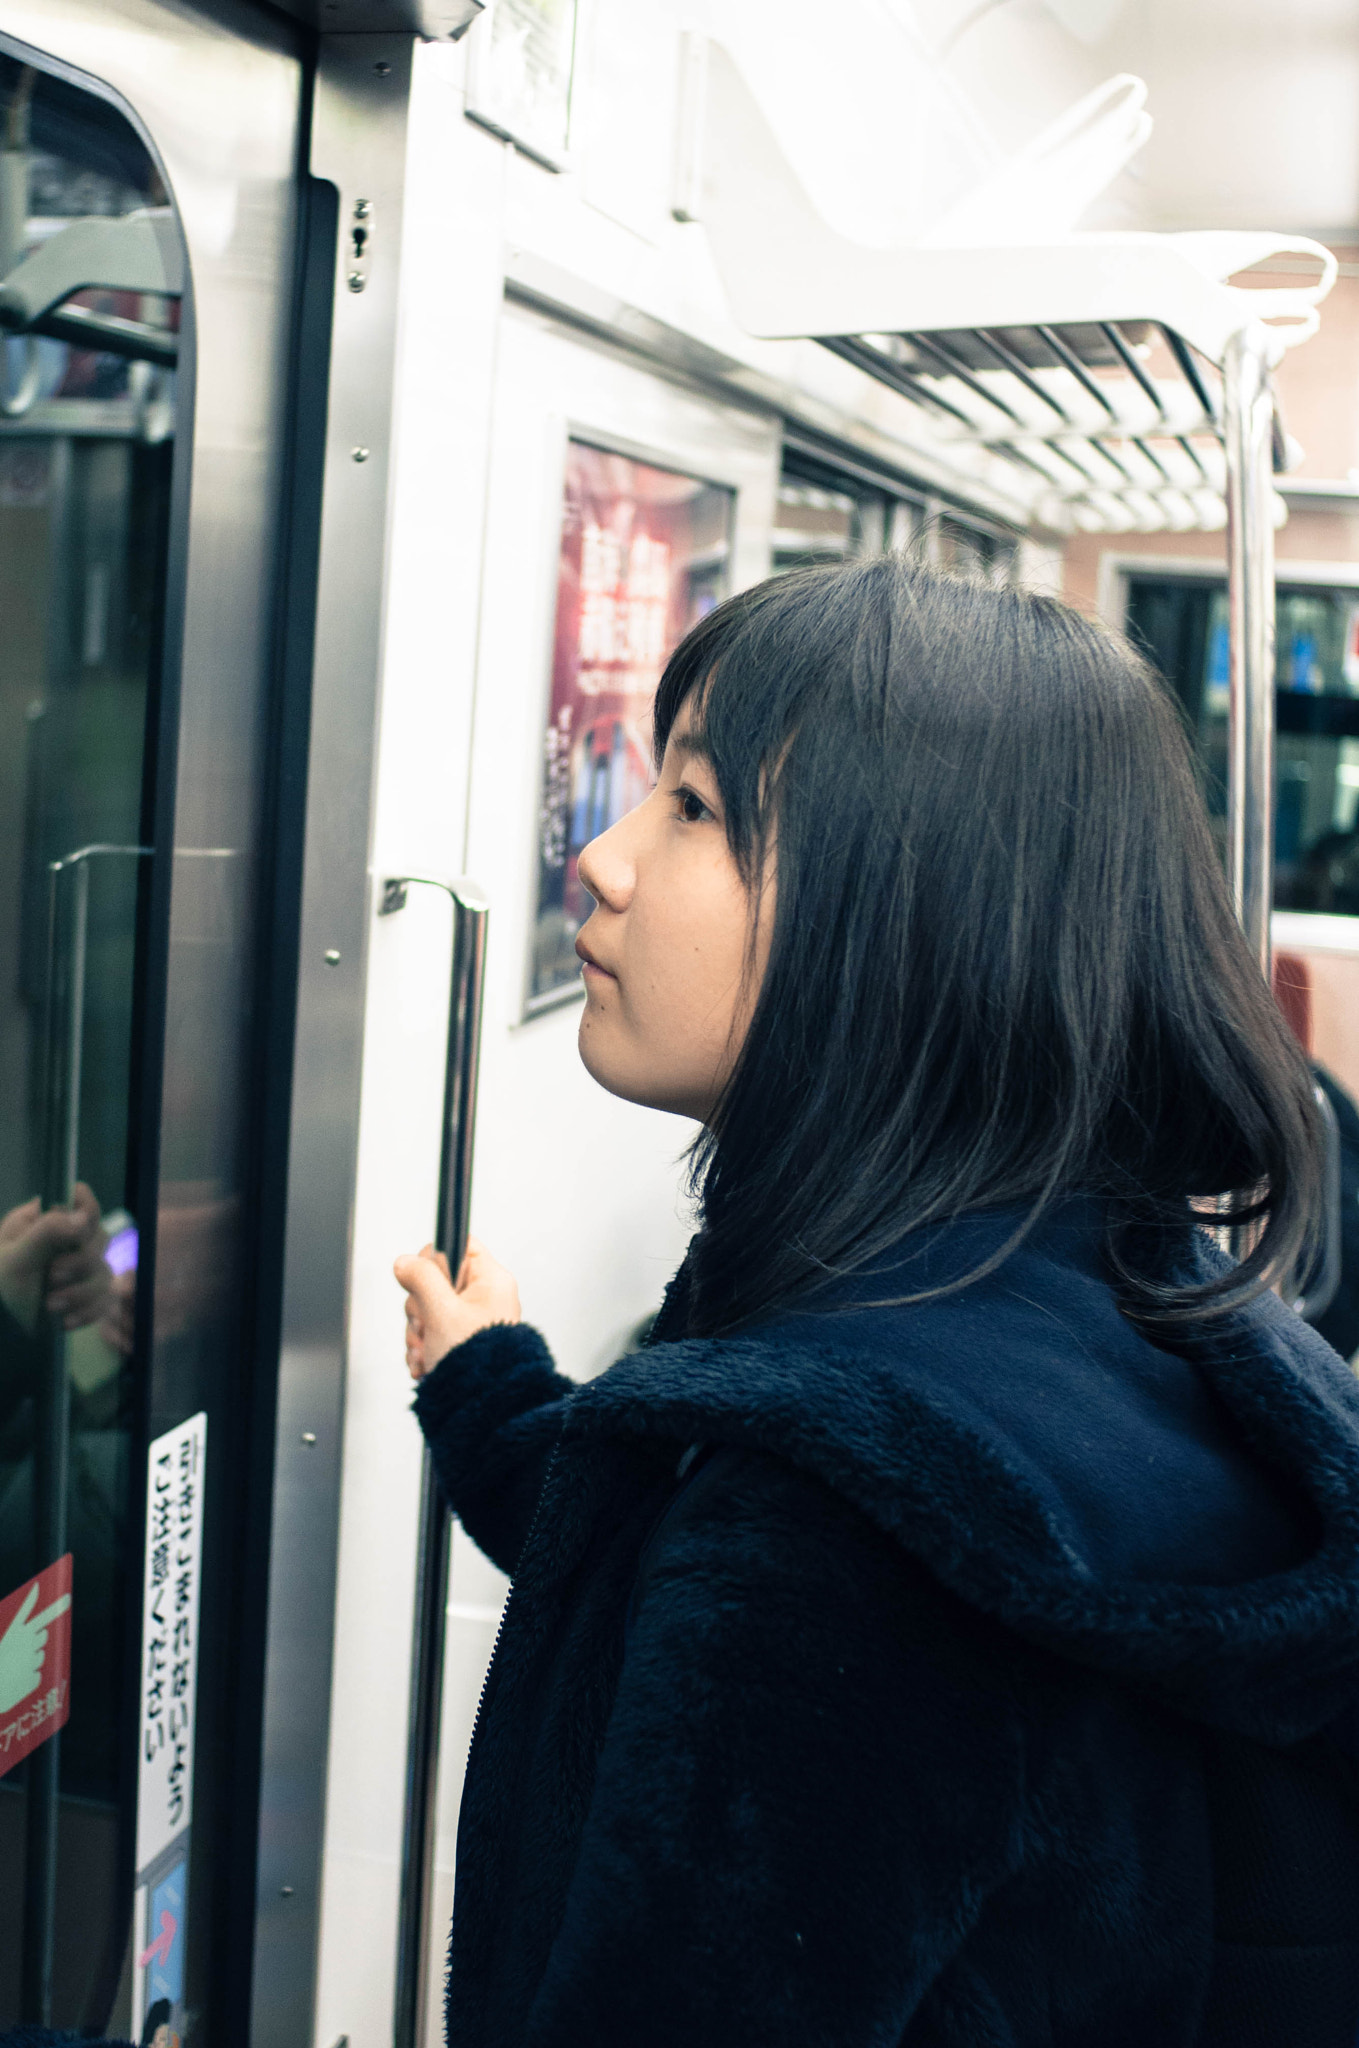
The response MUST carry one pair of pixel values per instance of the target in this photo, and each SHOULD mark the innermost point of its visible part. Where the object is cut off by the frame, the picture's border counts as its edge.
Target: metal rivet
(383, 70)
(309, 1436)
(362, 209)
(332, 957)
(356, 280)
(359, 454)
(285, 1891)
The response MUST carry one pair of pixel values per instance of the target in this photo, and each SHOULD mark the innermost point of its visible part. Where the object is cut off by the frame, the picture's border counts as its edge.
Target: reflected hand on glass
(54, 1259)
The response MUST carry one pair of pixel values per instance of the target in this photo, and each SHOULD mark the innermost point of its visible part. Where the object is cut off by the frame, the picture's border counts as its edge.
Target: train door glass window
(1183, 626)
(818, 524)
(87, 421)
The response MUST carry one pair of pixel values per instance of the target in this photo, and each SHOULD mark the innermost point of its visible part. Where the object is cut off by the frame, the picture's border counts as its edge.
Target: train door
(147, 181)
(618, 507)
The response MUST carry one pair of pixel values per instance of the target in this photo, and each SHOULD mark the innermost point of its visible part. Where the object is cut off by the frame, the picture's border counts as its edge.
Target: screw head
(356, 280)
(285, 1891)
(362, 209)
(383, 70)
(332, 956)
(359, 454)
(309, 1436)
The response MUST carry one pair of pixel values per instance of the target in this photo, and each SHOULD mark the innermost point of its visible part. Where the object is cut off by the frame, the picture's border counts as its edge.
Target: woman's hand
(440, 1315)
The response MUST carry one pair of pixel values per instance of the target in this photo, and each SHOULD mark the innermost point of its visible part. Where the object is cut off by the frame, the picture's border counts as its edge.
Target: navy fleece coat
(985, 1675)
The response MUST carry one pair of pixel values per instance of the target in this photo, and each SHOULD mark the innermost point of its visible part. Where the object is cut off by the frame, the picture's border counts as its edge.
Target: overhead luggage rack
(1082, 374)
(1107, 381)
(1113, 425)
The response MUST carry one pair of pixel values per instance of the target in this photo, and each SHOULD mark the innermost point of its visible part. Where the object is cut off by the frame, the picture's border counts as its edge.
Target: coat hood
(1188, 1522)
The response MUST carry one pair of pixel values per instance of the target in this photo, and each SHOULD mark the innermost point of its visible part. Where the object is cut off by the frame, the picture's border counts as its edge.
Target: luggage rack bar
(1111, 424)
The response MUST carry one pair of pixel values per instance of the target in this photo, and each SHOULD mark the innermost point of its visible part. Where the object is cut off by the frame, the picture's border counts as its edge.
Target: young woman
(946, 1629)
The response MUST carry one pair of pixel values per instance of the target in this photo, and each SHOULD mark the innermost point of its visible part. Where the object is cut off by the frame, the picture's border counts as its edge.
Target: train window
(87, 422)
(826, 516)
(1182, 624)
(817, 525)
(967, 550)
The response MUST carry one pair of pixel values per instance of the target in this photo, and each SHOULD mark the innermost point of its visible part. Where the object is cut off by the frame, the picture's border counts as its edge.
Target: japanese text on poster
(174, 1541)
(644, 556)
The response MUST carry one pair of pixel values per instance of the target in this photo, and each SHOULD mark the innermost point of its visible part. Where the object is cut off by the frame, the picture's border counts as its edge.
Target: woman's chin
(628, 1080)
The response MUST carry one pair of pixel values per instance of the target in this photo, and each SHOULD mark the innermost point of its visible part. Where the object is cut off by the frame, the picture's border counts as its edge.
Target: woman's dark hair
(1003, 966)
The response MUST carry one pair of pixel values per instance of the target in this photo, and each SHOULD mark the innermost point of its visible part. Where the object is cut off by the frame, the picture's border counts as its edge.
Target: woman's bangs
(737, 679)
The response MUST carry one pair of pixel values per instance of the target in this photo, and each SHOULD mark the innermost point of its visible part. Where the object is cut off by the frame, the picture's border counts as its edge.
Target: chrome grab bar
(1248, 446)
(470, 912)
(1251, 445)
(67, 946)
(1318, 1300)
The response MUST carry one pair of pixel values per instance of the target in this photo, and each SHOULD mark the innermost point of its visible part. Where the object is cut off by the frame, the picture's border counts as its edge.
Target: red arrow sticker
(35, 1662)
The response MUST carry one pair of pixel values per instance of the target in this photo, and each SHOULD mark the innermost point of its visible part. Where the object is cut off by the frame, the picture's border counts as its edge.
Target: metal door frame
(358, 152)
(301, 505)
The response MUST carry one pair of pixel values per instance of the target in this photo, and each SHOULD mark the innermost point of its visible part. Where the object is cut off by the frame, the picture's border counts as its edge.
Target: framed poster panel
(645, 553)
(520, 65)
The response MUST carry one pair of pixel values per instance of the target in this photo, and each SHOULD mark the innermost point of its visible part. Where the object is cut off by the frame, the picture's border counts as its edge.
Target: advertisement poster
(645, 554)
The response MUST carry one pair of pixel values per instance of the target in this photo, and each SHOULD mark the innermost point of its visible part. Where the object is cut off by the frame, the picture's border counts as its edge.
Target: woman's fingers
(440, 1315)
(484, 1282)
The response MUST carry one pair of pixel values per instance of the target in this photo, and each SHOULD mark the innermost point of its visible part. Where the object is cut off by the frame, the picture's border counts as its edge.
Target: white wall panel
(580, 1194)
(452, 267)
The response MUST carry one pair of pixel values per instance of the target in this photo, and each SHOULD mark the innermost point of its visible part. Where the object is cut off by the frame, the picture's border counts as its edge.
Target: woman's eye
(692, 808)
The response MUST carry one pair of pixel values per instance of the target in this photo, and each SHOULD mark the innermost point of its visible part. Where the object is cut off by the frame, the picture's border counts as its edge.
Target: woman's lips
(591, 966)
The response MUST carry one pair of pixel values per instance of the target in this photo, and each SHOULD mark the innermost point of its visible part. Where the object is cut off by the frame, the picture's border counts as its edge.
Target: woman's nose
(606, 868)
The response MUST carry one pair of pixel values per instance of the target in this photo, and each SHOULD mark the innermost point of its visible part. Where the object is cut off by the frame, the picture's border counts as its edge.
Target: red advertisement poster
(644, 555)
(35, 1662)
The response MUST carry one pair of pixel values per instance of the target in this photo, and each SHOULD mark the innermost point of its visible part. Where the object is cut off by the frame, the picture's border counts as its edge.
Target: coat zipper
(504, 1612)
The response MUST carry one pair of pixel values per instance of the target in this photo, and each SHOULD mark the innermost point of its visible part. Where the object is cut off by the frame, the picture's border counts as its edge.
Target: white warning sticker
(174, 1545)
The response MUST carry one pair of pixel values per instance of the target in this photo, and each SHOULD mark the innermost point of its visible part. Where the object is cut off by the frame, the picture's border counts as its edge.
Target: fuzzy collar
(1190, 1525)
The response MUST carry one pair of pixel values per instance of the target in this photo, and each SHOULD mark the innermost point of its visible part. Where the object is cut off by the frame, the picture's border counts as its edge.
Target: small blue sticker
(163, 1957)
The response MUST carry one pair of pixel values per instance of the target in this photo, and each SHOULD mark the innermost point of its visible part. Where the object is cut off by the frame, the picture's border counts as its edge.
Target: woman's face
(671, 976)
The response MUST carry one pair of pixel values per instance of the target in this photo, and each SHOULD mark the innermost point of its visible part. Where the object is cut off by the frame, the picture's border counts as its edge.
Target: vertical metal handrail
(1248, 443)
(470, 911)
(67, 946)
